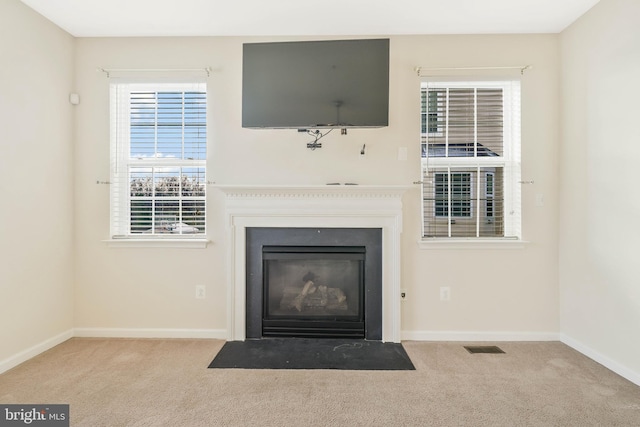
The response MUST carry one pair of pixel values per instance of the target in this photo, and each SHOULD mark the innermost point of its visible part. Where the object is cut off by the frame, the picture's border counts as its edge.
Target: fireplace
(320, 207)
(314, 282)
(313, 291)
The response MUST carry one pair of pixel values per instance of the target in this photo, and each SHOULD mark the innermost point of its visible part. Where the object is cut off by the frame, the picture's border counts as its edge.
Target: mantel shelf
(313, 190)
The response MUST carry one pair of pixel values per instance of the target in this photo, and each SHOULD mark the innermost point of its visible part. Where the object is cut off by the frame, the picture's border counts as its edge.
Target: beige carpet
(112, 382)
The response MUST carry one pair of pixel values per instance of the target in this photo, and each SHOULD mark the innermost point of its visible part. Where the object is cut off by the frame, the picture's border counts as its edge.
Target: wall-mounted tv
(316, 84)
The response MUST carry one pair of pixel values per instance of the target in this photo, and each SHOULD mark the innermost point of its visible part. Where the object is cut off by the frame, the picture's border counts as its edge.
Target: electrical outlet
(445, 293)
(201, 292)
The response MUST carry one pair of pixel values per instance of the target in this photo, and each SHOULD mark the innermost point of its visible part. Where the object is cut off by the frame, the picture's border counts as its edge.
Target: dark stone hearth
(303, 353)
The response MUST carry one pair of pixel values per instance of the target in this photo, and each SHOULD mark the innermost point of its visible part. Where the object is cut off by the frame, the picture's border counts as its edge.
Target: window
(158, 160)
(470, 137)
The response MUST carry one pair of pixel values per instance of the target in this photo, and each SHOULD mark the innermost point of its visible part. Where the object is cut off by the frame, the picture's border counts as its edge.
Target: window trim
(122, 163)
(510, 162)
(456, 243)
(182, 243)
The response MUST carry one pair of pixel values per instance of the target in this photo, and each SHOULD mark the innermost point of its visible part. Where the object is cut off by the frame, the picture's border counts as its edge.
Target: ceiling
(120, 18)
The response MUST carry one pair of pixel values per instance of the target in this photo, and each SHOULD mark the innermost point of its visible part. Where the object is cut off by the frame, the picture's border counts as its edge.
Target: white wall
(36, 183)
(497, 291)
(600, 208)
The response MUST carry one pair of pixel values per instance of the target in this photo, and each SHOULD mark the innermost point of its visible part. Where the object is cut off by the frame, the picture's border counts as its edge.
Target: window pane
(169, 141)
(168, 125)
(141, 216)
(463, 122)
(167, 200)
(432, 108)
(460, 198)
(491, 203)
(166, 182)
(434, 121)
(461, 194)
(167, 215)
(195, 125)
(441, 194)
(141, 182)
(490, 124)
(143, 124)
(193, 216)
(473, 214)
(193, 182)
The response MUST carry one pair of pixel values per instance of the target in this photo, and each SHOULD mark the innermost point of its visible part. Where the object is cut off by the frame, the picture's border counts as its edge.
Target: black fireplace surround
(314, 282)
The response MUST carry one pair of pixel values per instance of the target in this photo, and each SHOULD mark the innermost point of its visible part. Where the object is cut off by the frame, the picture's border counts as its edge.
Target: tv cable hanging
(317, 135)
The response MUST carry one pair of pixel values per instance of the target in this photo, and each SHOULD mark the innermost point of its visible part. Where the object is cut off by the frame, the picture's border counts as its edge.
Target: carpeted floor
(127, 382)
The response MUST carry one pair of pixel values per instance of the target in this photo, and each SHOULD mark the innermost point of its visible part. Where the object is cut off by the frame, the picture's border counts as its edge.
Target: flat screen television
(316, 84)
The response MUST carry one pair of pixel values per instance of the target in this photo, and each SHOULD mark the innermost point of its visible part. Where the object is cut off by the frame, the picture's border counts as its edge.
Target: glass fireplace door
(313, 291)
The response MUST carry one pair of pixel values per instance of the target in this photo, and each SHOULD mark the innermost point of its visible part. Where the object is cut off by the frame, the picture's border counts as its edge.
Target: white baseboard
(23, 356)
(605, 361)
(469, 336)
(150, 333)
(478, 336)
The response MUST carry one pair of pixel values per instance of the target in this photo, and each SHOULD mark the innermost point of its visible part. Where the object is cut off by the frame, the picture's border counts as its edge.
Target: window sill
(463, 243)
(158, 243)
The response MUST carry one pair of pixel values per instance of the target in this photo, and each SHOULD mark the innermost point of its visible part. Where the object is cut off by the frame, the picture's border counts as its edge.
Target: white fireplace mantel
(321, 206)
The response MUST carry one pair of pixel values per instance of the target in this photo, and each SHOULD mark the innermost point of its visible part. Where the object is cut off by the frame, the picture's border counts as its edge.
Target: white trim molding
(605, 361)
(150, 333)
(157, 243)
(23, 356)
(476, 336)
(452, 243)
(322, 206)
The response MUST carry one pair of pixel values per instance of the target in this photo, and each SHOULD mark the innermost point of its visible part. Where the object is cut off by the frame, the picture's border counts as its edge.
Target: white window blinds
(470, 141)
(158, 160)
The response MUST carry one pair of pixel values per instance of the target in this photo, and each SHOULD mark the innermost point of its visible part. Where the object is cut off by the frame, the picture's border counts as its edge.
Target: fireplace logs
(313, 297)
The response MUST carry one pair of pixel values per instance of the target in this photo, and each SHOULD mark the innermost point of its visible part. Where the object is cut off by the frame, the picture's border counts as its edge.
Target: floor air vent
(487, 349)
